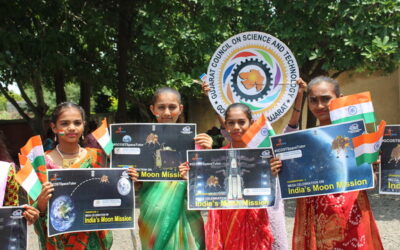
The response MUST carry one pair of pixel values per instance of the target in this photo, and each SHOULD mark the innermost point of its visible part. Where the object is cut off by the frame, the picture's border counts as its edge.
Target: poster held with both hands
(90, 199)
(321, 161)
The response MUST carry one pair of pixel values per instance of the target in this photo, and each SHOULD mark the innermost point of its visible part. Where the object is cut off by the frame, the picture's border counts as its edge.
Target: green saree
(165, 222)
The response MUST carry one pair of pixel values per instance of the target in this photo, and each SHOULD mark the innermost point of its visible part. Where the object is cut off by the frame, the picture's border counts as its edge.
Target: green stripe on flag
(265, 144)
(368, 118)
(38, 161)
(367, 158)
(108, 148)
(35, 190)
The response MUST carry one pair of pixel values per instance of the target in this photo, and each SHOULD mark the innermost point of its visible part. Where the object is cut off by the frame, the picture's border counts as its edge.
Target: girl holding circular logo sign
(237, 228)
(164, 221)
(67, 122)
(276, 214)
(337, 221)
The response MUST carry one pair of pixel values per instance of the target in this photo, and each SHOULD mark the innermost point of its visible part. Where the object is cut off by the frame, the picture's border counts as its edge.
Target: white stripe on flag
(36, 151)
(30, 181)
(255, 141)
(104, 140)
(351, 110)
(367, 148)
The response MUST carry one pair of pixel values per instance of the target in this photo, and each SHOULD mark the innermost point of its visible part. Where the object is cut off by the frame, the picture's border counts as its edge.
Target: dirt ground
(386, 211)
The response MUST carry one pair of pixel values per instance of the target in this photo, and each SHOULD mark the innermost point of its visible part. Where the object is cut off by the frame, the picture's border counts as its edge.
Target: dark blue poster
(321, 161)
(155, 149)
(13, 228)
(90, 199)
(230, 179)
(390, 161)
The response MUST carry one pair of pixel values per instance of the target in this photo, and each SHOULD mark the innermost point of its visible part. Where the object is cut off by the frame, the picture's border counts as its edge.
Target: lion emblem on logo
(213, 181)
(341, 144)
(152, 139)
(395, 155)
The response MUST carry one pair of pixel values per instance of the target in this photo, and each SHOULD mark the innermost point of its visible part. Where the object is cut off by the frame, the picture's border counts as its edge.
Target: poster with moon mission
(156, 150)
(90, 199)
(230, 179)
(390, 161)
(321, 161)
(13, 228)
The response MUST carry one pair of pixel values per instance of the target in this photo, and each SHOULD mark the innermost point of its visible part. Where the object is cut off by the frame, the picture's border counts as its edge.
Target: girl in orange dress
(67, 123)
(335, 221)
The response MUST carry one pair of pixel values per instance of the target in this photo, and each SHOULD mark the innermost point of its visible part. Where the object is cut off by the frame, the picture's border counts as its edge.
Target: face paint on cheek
(175, 114)
(61, 132)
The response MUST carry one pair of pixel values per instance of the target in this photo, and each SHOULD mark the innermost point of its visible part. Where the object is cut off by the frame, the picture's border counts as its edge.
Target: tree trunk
(41, 106)
(86, 92)
(59, 83)
(122, 65)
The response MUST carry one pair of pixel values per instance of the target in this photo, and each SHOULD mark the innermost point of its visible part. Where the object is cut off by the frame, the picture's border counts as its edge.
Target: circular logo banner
(254, 68)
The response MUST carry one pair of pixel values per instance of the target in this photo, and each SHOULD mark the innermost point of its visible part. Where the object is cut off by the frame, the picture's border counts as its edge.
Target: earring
(55, 138)
(83, 138)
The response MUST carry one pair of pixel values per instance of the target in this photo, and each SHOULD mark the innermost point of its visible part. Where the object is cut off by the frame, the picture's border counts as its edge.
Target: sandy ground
(386, 211)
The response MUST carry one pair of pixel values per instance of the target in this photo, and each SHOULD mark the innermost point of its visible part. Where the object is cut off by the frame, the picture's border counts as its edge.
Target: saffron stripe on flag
(100, 131)
(30, 144)
(350, 100)
(370, 138)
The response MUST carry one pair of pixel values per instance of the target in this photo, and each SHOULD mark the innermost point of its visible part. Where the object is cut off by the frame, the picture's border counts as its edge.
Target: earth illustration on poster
(62, 213)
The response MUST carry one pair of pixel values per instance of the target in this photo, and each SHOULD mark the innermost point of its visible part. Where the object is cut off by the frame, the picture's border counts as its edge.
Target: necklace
(67, 163)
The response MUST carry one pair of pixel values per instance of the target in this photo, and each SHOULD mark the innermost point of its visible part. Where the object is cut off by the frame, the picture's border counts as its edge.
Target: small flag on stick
(33, 149)
(27, 178)
(351, 108)
(366, 146)
(258, 134)
(103, 137)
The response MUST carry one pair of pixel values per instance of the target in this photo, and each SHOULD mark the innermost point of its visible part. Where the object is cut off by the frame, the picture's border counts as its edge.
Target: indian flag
(258, 134)
(33, 149)
(366, 146)
(352, 107)
(27, 178)
(103, 137)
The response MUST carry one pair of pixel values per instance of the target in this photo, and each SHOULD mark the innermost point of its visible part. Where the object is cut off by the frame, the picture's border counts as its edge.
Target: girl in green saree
(164, 221)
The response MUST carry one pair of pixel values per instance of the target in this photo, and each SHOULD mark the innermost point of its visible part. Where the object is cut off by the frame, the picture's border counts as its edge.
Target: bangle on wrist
(297, 110)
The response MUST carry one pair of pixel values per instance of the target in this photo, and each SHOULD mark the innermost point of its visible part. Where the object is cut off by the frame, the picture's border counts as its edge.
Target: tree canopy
(126, 49)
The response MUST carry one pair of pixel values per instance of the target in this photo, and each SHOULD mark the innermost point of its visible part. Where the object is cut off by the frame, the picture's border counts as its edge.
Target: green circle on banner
(254, 68)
